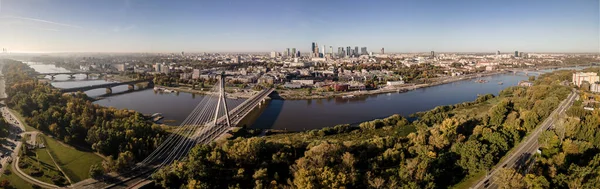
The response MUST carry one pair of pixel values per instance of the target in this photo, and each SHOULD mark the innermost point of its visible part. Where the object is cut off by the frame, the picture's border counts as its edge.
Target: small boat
(348, 96)
(500, 83)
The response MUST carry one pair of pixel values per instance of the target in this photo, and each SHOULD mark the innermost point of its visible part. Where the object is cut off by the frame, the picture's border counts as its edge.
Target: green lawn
(39, 158)
(14, 180)
(76, 164)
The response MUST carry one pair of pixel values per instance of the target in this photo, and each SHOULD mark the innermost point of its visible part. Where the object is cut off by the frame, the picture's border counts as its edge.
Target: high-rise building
(356, 51)
(516, 53)
(348, 51)
(297, 54)
(340, 51)
(432, 54)
(323, 51)
(287, 52)
(314, 45)
(182, 54)
(331, 50)
(239, 59)
(382, 51)
(363, 51)
(293, 52)
(497, 52)
(273, 54)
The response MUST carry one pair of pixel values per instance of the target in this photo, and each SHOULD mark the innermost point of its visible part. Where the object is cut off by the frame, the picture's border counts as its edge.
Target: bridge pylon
(222, 99)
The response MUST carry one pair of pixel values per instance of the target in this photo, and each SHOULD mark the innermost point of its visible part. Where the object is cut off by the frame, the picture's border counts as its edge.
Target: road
(527, 148)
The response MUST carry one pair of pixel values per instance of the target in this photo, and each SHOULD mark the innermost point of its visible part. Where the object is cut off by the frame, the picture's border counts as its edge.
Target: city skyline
(239, 26)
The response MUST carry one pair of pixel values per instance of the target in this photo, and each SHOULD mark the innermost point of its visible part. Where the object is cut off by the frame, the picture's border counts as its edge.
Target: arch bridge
(108, 86)
(72, 74)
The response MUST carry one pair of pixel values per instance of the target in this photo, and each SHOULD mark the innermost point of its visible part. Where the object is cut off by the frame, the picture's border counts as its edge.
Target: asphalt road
(527, 148)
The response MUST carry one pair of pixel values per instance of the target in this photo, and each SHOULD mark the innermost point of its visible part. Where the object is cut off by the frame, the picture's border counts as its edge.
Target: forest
(440, 149)
(570, 152)
(72, 118)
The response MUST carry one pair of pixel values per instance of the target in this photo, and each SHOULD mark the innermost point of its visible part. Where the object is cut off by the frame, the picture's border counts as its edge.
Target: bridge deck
(106, 85)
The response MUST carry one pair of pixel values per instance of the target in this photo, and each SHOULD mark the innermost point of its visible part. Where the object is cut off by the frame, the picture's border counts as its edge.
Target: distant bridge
(526, 72)
(72, 74)
(108, 86)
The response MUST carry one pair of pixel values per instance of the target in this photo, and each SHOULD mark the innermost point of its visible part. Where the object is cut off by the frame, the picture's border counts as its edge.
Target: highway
(518, 158)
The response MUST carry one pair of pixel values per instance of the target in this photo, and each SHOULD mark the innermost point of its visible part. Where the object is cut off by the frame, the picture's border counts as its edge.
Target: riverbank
(293, 95)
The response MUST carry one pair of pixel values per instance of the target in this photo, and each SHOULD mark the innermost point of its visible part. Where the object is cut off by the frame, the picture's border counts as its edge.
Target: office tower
(182, 54)
(516, 53)
(348, 51)
(313, 47)
(323, 51)
(287, 52)
(382, 51)
(294, 53)
(432, 54)
(331, 50)
(521, 54)
(340, 51)
(239, 59)
(356, 51)
(363, 51)
(273, 54)
(316, 53)
(497, 52)
(298, 54)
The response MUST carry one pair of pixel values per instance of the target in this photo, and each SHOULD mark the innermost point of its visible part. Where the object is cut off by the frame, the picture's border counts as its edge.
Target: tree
(508, 178)
(96, 171)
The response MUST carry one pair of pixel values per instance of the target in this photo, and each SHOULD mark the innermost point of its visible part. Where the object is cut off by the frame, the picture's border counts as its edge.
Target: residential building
(580, 77)
(525, 84)
(120, 67)
(304, 81)
(292, 85)
(185, 76)
(196, 73)
(394, 83)
(595, 87)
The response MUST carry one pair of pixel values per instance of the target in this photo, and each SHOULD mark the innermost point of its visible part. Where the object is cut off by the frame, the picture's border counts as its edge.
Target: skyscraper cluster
(341, 51)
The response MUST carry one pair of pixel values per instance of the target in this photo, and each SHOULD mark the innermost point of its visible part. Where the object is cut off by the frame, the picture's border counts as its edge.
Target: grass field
(39, 158)
(76, 164)
(15, 181)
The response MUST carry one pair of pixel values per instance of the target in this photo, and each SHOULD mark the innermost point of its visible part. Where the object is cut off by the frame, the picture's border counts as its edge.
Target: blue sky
(268, 25)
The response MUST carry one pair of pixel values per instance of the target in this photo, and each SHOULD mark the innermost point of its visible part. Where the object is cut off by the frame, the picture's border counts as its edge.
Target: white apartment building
(580, 77)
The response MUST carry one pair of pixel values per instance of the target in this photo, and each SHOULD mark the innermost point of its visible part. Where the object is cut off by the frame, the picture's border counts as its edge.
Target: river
(297, 115)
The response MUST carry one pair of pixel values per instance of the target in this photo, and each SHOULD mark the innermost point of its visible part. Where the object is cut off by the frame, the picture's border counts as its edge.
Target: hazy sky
(268, 25)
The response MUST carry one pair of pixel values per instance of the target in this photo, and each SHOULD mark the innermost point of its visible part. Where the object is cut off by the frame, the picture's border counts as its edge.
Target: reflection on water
(319, 113)
(298, 115)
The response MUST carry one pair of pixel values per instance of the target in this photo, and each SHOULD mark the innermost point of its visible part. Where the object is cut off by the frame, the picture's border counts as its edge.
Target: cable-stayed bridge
(212, 118)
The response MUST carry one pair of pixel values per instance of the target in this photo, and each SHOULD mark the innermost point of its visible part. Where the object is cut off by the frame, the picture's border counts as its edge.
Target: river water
(296, 115)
